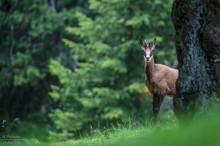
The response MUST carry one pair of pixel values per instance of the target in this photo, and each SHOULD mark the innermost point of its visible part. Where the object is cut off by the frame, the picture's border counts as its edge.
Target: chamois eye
(152, 53)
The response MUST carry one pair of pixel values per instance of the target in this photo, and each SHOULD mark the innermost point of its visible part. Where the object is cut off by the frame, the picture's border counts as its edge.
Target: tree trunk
(197, 24)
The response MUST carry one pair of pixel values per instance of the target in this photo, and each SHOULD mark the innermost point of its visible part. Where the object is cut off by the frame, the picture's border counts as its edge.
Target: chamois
(159, 79)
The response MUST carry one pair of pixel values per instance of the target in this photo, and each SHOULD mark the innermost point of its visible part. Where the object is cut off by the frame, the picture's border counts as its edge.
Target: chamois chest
(149, 86)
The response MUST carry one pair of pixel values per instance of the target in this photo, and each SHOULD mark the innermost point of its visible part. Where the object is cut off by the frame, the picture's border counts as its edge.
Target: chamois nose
(148, 58)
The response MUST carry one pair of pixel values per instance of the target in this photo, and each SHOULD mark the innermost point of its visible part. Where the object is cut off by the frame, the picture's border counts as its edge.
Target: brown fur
(159, 79)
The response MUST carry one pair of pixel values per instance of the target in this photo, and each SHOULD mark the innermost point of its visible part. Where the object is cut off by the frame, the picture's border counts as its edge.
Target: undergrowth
(202, 131)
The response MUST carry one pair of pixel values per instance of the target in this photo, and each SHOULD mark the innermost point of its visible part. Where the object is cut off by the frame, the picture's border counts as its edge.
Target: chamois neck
(149, 69)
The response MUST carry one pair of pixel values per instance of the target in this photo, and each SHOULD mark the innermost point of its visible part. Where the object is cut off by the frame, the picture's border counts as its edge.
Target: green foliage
(84, 55)
(31, 34)
(107, 84)
(24, 44)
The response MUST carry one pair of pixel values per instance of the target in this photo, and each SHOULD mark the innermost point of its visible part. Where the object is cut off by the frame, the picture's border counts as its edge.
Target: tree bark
(197, 24)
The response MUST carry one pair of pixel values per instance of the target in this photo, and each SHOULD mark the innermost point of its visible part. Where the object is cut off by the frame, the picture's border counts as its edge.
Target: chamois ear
(154, 42)
(141, 42)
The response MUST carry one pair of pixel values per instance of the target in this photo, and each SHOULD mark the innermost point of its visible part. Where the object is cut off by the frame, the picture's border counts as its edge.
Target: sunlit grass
(112, 135)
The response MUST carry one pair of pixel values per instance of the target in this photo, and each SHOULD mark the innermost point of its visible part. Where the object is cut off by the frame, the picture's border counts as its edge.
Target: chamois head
(148, 49)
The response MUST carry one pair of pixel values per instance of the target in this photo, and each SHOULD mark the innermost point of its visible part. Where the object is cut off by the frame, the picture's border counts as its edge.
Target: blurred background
(67, 66)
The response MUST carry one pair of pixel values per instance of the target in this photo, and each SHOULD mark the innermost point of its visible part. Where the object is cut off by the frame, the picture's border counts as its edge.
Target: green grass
(114, 136)
(200, 132)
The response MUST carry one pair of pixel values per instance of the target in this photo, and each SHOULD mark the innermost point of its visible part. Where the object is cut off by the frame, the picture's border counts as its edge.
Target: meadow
(201, 131)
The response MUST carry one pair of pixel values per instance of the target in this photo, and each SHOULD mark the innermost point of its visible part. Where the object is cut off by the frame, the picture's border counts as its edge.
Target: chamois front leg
(157, 101)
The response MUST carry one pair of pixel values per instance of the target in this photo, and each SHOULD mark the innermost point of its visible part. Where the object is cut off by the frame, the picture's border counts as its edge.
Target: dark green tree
(31, 33)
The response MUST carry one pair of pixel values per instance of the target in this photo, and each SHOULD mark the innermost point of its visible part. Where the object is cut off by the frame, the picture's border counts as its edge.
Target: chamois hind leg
(157, 101)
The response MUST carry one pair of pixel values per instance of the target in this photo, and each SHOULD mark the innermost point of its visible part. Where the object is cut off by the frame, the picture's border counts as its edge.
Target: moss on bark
(198, 51)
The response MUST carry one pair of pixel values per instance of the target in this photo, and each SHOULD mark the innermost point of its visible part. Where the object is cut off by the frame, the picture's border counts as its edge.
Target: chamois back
(164, 79)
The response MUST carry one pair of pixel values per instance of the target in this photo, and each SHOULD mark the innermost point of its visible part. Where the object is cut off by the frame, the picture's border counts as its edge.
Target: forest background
(67, 66)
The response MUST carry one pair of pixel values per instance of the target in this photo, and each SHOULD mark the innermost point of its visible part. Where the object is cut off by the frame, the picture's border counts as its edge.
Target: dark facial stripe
(152, 53)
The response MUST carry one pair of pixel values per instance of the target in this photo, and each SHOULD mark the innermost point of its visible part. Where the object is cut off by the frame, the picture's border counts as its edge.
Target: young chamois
(159, 79)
